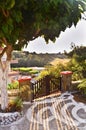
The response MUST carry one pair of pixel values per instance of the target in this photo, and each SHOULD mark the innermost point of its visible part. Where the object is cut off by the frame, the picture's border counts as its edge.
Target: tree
(24, 20)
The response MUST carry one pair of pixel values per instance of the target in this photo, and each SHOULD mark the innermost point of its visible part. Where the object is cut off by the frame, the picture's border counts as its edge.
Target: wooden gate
(45, 86)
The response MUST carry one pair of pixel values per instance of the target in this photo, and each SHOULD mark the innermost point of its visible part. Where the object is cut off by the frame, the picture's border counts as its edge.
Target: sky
(76, 35)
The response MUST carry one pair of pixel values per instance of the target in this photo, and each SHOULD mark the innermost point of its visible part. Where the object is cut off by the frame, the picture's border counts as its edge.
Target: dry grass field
(57, 61)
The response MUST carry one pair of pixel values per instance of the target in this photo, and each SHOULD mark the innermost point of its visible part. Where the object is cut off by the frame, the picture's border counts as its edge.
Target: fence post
(60, 84)
(32, 91)
(24, 86)
(66, 80)
(47, 83)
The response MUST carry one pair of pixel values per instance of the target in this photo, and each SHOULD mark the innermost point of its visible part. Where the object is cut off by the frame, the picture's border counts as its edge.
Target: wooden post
(32, 89)
(47, 81)
(66, 80)
(60, 84)
(25, 90)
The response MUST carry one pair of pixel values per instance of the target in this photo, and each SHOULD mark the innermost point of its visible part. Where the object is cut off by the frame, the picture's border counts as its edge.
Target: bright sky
(76, 35)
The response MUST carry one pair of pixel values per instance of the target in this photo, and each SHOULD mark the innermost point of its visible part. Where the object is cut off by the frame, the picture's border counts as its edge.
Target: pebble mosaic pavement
(52, 113)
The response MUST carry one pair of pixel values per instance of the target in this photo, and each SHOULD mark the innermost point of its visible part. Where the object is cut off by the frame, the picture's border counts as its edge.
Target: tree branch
(1, 40)
(37, 32)
(3, 51)
(4, 41)
(5, 13)
(8, 51)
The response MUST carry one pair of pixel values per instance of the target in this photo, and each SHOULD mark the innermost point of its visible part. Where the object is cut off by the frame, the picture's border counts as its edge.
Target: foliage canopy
(25, 20)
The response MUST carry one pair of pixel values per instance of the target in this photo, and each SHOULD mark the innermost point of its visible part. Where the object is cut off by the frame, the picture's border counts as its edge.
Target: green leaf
(17, 15)
(56, 1)
(9, 4)
(5, 28)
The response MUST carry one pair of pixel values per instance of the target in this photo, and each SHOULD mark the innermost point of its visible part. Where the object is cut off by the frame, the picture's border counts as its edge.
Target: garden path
(52, 113)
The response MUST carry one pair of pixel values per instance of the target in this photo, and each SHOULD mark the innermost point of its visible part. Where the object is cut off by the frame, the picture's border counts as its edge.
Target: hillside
(26, 59)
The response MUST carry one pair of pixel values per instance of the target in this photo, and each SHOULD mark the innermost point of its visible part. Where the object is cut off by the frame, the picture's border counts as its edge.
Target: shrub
(15, 105)
(34, 71)
(13, 85)
(82, 86)
(25, 92)
(43, 74)
(77, 76)
(23, 69)
(76, 68)
(53, 71)
(15, 69)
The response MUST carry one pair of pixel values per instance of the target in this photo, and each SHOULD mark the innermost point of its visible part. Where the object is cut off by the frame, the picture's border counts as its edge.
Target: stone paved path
(52, 113)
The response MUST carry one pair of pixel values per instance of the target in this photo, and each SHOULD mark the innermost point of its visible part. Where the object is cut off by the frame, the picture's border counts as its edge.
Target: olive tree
(24, 20)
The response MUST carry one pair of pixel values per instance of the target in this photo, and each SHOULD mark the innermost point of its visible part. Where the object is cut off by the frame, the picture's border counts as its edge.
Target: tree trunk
(4, 69)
